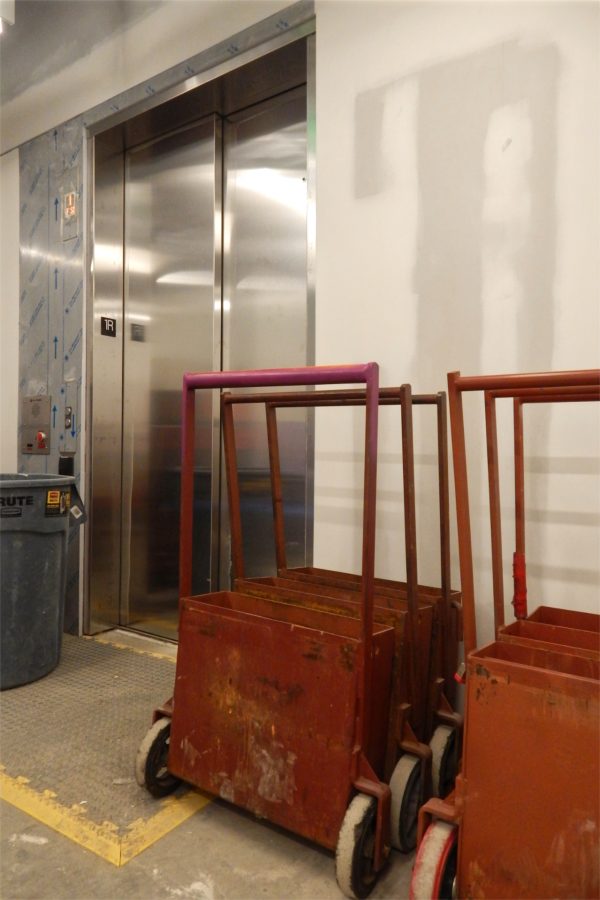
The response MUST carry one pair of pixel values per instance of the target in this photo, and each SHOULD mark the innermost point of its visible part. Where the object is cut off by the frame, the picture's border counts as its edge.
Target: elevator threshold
(69, 743)
(140, 640)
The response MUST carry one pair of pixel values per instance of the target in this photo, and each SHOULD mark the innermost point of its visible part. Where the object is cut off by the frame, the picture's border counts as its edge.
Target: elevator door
(214, 277)
(168, 329)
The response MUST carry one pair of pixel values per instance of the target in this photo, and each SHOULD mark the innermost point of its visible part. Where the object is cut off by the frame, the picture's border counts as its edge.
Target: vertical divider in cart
(519, 576)
(276, 485)
(233, 488)
(444, 493)
(491, 433)
(444, 514)
(410, 533)
(463, 518)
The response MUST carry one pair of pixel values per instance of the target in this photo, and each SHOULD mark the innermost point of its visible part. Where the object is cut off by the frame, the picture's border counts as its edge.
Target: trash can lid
(18, 479)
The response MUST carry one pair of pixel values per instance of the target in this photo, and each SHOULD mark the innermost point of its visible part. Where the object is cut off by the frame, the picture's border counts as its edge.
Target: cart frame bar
(512, 385)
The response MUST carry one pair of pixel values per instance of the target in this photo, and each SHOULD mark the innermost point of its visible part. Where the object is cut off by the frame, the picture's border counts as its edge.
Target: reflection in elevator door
(168, 329)
(265, 322)
(205, 292)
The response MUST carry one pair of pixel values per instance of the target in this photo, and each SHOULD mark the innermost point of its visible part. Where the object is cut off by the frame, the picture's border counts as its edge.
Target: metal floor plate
(69, 742)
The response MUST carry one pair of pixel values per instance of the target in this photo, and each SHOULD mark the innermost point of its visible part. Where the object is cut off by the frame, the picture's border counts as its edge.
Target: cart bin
(568, 618)
(548, 636)
(34, 525)
(264, 710)
(531, 771)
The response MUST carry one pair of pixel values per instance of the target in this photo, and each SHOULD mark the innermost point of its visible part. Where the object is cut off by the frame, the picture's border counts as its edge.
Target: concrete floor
(219, 853)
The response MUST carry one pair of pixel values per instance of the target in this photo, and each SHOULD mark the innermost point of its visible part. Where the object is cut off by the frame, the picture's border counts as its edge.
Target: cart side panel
(264, 716)
(318, 596)
(545, 635)
(531, 819)
(569, 618)
(439, 655)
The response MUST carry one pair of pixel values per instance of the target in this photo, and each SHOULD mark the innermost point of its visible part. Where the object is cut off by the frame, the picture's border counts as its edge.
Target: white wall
(9, 309)
(458, 228)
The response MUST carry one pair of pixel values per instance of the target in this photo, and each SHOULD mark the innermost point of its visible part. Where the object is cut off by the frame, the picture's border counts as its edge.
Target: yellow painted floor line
(103, 839)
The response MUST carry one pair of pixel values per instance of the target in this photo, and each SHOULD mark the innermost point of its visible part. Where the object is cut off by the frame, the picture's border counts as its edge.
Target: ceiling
(49, 35)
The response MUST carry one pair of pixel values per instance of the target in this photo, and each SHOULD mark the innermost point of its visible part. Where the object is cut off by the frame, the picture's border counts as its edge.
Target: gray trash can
(35, 511)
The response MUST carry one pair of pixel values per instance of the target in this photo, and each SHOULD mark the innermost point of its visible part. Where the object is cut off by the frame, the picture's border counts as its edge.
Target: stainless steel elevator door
(204, 291)
(169, 300)
(265, 310)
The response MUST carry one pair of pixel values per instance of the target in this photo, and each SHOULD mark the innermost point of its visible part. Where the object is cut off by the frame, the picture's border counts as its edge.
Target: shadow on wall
(485, 158)
(468, 150)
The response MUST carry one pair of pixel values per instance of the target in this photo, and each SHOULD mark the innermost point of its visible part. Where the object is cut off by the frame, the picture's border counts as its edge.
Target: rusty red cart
(277, 709)
(524, 820)
(424, 732)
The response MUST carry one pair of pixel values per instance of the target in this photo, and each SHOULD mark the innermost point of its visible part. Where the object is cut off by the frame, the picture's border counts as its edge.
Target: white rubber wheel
(355, 848)
(442, 746)
(405, 785)
(151, 769)
(434, 872)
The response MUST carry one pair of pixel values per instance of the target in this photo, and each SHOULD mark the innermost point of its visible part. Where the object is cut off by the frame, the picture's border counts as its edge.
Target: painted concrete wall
(457, 228)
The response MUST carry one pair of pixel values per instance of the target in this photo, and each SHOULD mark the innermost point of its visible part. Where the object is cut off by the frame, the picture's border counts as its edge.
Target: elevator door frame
(102, 586)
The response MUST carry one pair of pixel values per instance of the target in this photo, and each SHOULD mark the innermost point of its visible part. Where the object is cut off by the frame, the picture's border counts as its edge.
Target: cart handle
(511, 386)
(391, 396)
(520, 397)
(367, 374)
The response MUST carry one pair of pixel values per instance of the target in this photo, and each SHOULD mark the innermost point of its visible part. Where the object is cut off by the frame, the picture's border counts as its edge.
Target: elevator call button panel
(36, 425)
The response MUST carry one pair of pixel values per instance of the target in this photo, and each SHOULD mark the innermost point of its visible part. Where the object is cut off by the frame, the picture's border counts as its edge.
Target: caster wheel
(434, 873)
(151, 761)
(355, 848)
(405, 785)
(444, 760)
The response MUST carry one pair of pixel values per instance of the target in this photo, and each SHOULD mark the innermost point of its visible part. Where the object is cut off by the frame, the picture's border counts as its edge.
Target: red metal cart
(278, 709)
(425, 660)
(524, 820)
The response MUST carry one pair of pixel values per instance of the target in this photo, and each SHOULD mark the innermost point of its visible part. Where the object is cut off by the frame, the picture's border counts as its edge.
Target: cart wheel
(434, 872)
(443, 760)
(405, 785)
(355, 848)
(151, 761)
